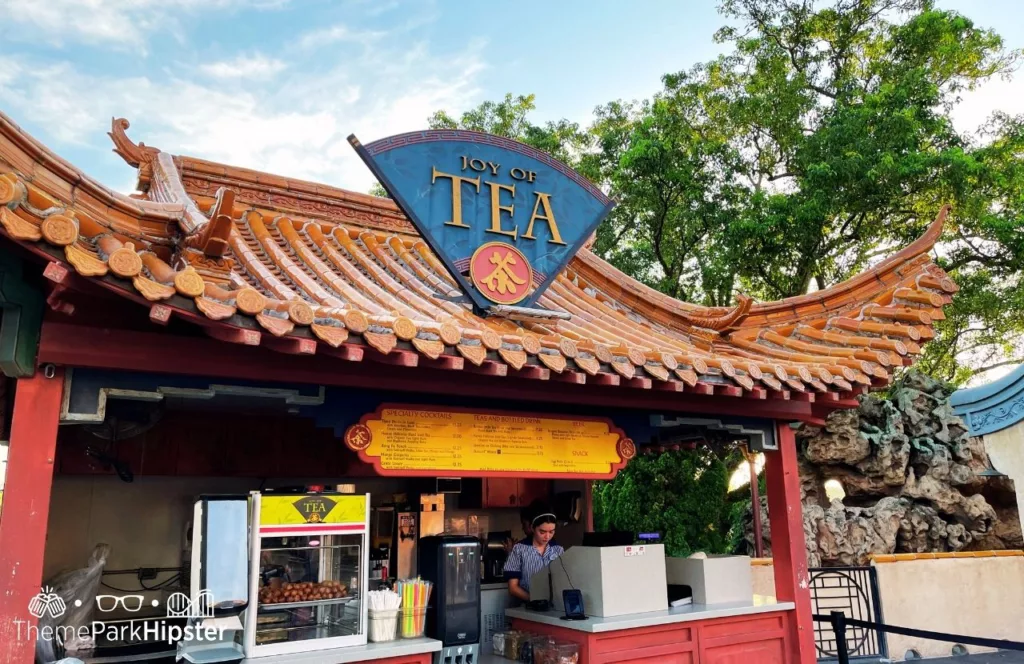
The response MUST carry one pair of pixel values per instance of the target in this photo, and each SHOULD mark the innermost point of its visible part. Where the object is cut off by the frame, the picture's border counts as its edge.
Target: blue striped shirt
(525, 561)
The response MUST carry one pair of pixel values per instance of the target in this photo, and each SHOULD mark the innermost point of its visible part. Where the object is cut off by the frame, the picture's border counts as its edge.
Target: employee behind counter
(533, 553)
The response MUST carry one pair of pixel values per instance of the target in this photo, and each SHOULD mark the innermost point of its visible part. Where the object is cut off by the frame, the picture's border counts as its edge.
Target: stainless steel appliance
(495, 556)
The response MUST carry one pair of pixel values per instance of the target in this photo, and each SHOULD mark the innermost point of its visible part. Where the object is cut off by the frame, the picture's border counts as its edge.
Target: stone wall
(910, 473)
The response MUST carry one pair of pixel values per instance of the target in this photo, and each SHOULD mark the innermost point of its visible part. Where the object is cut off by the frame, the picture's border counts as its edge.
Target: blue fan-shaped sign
(503, 217)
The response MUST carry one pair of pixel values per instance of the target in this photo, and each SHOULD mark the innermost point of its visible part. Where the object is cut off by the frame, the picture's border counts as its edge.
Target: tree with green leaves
(563, 140)
(682, 495)
(821, 142)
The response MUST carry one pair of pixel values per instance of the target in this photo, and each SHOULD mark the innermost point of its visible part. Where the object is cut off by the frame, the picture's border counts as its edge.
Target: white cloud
(338, 33)
(254, 66)
(297, 127)
(114, 23)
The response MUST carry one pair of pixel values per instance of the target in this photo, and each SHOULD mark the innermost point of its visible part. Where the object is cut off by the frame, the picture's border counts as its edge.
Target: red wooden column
(789, 550)
(26, 508)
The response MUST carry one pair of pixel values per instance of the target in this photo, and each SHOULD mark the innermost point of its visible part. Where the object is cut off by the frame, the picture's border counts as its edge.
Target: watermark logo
(130, 603)
(174, 627)
(47, 603)
(180, 605)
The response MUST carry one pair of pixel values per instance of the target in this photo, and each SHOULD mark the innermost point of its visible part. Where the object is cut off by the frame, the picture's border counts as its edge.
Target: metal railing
(852, 591)
(839, 624)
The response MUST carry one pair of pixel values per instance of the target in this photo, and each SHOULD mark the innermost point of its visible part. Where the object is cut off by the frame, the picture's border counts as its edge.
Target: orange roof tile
(337, 271)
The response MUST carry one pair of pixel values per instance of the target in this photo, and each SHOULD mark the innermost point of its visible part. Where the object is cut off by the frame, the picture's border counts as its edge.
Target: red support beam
(534, 372)
(159, 352)
(789, 550)
(728, 390)
(160, 314)
(448, 362)
(573, 377)
(56, 273)
(26, 509)
(604, 379)
(756, 393)
(487, 368)
(290, 345)
(589, 498)
(347, 352)
(235, 335)
(399, 357)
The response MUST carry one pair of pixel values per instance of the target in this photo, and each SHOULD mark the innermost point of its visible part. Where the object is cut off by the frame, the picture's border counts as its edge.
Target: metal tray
(301, 605)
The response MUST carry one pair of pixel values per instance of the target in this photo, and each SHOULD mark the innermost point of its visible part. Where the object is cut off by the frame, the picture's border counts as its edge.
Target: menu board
(417, 440)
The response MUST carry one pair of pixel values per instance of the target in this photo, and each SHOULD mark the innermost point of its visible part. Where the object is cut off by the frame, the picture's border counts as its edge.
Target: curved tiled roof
(307, 268)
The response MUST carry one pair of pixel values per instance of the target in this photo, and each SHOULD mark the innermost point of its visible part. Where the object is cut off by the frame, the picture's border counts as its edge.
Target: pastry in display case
(308, 572)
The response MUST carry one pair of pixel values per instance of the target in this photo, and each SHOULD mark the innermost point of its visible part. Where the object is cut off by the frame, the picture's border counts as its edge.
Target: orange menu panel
(416, 440)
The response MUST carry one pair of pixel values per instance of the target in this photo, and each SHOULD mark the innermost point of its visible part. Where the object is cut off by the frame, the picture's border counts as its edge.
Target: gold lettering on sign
(479, 165)
(520, 174)
(457, 182)
(543, 200)
(497, 208)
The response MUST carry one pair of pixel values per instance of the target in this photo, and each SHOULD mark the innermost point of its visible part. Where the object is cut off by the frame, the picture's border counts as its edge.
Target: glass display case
(308, 573)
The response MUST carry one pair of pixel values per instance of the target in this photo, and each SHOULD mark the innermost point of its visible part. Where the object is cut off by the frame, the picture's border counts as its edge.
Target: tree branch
(1004, 363)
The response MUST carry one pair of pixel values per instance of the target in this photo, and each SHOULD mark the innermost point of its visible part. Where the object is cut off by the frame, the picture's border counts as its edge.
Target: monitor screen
(615, 538)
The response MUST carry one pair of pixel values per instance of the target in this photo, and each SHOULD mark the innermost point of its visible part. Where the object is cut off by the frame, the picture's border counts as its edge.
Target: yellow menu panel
(463, 442)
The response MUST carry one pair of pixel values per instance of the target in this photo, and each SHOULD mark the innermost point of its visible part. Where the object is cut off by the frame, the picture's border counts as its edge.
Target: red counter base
(758, 639)
(425, 658)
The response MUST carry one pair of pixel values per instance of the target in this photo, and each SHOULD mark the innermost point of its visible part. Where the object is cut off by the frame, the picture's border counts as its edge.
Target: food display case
(308, 572)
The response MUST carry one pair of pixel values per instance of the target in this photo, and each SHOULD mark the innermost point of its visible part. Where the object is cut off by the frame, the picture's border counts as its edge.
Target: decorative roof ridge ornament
(724, 322)
(527, 313)
(503, 217)
(134, 155)
(139, 156)
(213, 237)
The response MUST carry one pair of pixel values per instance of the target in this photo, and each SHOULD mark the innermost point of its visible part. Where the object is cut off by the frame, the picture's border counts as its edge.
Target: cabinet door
(756, 652)
(531, 490)
(757, 639)
(638, 658)
(501, 492)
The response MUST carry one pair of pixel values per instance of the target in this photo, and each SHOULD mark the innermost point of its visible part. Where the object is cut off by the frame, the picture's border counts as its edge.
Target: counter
(401, 651)
(755, 632)
(689, 613)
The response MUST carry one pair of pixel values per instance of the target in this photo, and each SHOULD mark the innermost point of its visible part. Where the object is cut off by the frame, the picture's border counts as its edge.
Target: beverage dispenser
(453, 615)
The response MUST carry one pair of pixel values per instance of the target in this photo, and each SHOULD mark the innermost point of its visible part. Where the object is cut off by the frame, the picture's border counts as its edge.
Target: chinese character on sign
(502, 278)
(501, 272)
(358, 437)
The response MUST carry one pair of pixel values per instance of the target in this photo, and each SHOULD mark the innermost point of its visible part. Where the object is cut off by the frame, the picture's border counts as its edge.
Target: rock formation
(910, 473)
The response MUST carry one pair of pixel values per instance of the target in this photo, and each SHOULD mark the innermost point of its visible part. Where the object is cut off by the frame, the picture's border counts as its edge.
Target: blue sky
(277, 85)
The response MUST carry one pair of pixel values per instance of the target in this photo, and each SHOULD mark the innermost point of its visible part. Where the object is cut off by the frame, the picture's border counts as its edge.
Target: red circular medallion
(358, 437)
(627, 449)
(501, 272)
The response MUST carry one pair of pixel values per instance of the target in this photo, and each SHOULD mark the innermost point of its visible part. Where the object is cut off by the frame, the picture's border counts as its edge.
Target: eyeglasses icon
(130, 603)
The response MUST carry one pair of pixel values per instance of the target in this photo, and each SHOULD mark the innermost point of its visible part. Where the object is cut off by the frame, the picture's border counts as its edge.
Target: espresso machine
(452, 564)
(495, 556)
